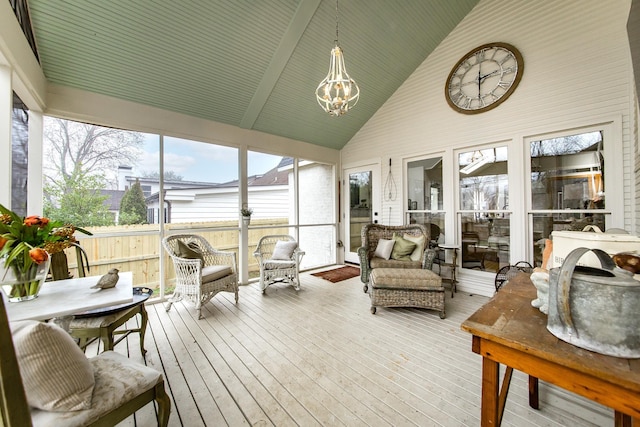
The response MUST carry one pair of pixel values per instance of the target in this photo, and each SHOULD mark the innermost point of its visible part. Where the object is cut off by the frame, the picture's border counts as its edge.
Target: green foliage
(77, 199)
(28, 240)
(133, 208)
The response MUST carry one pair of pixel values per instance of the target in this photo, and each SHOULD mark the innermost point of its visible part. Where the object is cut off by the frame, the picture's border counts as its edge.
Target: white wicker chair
(282, 269)
(218, 268)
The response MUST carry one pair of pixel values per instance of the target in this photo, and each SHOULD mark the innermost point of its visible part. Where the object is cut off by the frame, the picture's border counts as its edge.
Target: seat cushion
(393, 263)
(101, 321)
(394, 278)
(117, 380)
(215, 272)
(56, 374)
(274, 264)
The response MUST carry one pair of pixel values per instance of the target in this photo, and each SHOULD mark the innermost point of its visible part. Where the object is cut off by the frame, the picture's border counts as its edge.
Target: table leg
(489, 414)
(533, 392)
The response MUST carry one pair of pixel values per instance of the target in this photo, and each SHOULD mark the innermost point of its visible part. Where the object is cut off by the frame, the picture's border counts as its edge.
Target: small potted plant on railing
(246, 215)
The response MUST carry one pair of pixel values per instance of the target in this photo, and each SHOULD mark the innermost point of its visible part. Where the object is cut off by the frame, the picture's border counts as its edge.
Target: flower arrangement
(246, 212)
(26, 243)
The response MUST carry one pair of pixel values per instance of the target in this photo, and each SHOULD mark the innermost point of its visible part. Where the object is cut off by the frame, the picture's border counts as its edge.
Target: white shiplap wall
(577, 73)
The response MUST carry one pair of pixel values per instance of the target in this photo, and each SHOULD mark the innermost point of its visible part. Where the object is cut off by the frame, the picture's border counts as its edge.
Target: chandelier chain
(336, 21)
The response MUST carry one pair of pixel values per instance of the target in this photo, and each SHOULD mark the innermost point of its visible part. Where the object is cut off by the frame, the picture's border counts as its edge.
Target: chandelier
(338, 92)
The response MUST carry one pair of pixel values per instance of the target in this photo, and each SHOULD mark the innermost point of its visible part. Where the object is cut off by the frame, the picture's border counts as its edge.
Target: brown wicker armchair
(372, 233)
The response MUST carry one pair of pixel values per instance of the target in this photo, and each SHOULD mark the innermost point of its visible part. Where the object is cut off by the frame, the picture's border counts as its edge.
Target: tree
(133, 208)
(78, 200)
(72, 146)
(81, 160)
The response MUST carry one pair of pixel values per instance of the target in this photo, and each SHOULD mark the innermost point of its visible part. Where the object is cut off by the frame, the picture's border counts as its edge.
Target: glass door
(358, 208)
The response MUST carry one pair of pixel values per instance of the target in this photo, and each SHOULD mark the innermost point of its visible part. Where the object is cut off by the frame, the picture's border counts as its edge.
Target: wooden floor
(319, 357)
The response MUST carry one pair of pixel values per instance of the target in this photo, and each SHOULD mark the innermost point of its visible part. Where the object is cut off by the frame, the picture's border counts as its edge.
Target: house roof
(251, 64)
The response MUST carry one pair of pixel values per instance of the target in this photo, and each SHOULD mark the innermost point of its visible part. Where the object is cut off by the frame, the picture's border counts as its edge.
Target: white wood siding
(576, 73)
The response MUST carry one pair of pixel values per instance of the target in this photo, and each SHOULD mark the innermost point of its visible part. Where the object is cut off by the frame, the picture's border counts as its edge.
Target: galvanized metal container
(595, 308)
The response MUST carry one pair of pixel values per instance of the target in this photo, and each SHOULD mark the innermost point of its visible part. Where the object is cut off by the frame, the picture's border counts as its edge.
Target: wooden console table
(510, 331)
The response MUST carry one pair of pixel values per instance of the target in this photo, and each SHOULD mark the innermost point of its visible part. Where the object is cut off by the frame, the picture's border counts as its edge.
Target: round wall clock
(484, 78)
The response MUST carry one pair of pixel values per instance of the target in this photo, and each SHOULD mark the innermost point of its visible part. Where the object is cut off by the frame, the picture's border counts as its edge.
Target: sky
(196, 161)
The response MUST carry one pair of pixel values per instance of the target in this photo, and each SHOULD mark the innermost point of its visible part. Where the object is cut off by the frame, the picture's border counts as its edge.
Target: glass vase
(23, 285)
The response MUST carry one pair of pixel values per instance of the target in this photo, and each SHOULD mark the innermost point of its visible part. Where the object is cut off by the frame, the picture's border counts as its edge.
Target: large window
(425, 196)
(19, 156)
(567, 185)
(484, 203)
(130, 188)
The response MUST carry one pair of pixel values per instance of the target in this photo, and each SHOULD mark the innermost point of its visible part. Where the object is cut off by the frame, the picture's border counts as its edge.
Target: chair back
(267, 244)
(13, 401)
(170, 243)
(82, 260)
(372, 233)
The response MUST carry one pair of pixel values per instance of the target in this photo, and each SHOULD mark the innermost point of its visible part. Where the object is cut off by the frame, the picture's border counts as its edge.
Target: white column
(243, 250)
(6, 106)
(34, 165)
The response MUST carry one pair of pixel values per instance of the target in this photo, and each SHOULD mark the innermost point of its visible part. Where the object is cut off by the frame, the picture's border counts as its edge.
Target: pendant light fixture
(338, 92)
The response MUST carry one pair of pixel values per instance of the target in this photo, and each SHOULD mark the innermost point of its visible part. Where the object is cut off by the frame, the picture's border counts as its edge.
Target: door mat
(339, 274)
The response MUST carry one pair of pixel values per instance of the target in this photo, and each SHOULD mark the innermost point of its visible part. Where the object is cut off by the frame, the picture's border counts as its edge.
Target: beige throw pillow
(284, 250)
(56, 374)
(384, 248)
(420, 242)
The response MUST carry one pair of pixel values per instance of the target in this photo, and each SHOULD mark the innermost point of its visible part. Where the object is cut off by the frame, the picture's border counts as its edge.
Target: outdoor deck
(319, 357)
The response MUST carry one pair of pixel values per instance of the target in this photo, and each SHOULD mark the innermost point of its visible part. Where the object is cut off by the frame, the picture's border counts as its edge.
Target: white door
(360, 206)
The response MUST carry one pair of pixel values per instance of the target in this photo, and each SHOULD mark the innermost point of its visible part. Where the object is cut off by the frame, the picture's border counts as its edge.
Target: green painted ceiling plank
(295, 30)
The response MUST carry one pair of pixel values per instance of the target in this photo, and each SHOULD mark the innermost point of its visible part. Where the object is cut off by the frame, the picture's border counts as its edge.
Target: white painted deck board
(319, 357)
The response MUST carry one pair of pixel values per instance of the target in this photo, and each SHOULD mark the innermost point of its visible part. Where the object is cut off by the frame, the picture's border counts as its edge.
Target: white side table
(451, 266)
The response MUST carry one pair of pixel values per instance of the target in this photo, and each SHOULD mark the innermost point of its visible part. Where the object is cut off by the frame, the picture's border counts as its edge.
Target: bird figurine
(107, 281)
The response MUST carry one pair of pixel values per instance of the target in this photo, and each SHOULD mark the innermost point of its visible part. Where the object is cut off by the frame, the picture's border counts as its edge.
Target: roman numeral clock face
(484, 78)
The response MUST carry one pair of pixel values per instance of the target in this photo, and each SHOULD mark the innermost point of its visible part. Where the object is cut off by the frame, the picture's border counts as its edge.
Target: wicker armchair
(279, 258)
(372, 233)
(201, 271)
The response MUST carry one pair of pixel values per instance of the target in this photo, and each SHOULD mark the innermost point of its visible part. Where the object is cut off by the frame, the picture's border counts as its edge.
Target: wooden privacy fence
(137, 248)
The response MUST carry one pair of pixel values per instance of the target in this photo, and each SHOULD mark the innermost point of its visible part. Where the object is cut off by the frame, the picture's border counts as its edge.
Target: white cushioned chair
(279, 259)
(201, 270)
(46, 380)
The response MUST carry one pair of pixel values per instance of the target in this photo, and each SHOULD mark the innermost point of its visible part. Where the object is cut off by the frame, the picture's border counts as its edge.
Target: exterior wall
(577, 72)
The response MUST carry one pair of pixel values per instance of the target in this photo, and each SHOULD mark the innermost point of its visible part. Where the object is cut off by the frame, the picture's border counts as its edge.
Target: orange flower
(2, 242)
(36, 220)
(38, 255)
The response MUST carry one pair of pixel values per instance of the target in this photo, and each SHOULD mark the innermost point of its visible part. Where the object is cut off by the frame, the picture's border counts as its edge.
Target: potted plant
(26, 247)
(246, 215)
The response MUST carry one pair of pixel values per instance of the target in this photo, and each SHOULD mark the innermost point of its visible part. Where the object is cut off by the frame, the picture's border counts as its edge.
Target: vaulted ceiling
(248, 63)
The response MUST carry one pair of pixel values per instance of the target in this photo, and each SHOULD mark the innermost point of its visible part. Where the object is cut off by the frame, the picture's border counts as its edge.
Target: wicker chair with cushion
(46, 380)
(201, 270)
(279, 259)
(385, 246)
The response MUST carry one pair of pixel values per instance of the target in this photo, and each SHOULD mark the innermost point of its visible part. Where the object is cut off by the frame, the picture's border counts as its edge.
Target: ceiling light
(338, 92)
